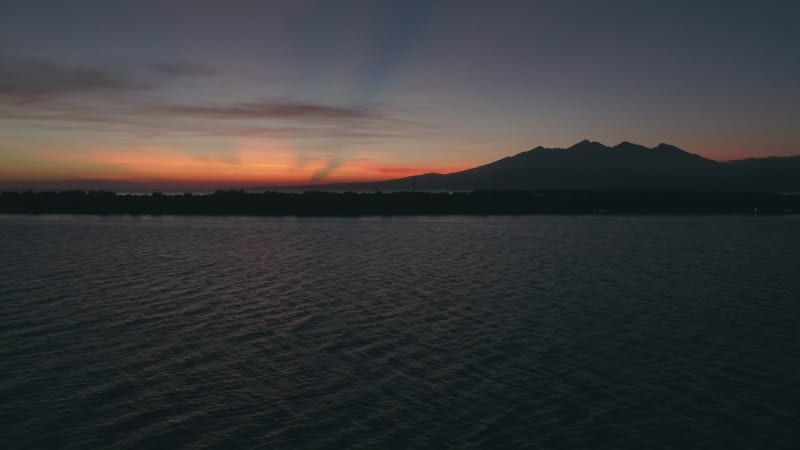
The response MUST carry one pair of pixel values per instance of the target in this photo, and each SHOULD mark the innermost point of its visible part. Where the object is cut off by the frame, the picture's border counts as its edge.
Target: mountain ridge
(591, 165)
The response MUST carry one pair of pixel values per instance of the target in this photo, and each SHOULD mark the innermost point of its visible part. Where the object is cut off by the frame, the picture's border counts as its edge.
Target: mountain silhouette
(590, 165)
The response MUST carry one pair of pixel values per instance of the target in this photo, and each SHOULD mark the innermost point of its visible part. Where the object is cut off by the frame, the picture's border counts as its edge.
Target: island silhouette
(590, 165)
(586, 178)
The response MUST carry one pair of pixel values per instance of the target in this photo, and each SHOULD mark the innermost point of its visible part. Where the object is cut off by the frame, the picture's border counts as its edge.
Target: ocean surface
(413, 332)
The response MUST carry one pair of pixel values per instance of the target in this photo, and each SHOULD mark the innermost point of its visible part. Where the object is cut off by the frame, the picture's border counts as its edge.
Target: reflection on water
(542, 332)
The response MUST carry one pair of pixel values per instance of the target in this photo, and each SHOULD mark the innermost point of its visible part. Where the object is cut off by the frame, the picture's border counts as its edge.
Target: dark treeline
(400, 203)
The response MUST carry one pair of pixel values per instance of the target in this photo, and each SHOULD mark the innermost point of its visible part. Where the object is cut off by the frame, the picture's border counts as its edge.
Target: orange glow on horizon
(248, 165)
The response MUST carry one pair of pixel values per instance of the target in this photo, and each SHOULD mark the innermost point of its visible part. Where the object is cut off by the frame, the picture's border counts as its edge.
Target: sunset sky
(252, 93)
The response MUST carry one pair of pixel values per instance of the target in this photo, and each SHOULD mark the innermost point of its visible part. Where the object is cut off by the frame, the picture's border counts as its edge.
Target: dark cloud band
(273, 110)
(31, 80)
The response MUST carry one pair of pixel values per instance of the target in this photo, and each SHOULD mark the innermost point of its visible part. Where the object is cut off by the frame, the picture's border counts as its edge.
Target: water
(434, 332)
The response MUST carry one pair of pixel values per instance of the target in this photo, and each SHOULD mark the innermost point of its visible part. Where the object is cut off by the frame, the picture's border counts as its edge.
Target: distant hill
(591, 165)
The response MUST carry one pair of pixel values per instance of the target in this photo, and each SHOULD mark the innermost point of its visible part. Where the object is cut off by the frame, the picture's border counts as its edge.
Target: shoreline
(349, 204)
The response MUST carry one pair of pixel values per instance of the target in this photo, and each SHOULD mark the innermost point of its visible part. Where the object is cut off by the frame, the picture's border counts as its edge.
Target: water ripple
(452, 332)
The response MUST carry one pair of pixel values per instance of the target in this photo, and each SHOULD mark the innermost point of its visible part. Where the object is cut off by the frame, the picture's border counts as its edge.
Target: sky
(234, 93)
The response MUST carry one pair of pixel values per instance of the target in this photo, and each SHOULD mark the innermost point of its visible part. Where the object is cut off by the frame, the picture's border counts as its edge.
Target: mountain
(591, 165)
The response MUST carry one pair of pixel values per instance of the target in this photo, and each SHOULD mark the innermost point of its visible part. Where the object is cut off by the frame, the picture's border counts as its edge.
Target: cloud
(274, 110)
(147, 123)
(336, 161)
(27, 80)
(75, 97)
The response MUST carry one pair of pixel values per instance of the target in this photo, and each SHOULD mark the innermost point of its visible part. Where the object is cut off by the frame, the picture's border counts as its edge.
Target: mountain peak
(588, 145)
(663, 146)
